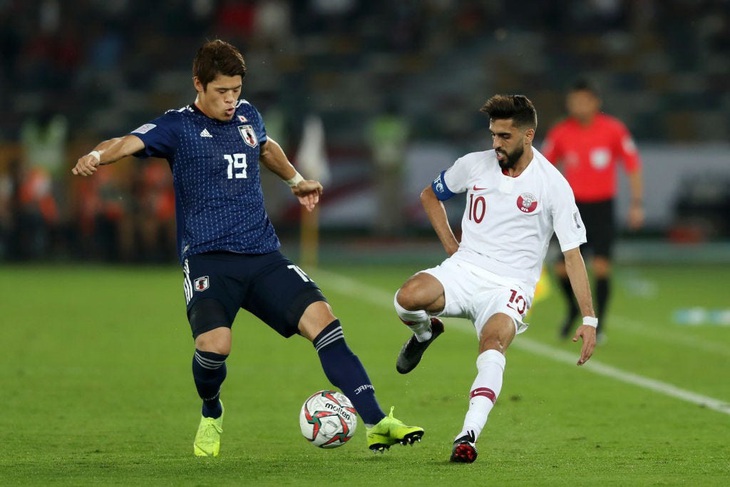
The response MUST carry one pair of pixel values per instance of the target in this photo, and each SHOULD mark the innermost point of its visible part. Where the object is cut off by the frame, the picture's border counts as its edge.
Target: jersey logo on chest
(248, 135)
(527, 202)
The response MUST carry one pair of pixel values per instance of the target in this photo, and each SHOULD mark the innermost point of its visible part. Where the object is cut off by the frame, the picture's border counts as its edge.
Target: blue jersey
(215, 167)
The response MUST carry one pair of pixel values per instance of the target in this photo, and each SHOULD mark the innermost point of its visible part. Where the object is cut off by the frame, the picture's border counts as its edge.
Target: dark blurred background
(409, 74)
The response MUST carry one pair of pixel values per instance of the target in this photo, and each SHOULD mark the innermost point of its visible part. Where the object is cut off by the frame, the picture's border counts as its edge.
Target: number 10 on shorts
(517, 302)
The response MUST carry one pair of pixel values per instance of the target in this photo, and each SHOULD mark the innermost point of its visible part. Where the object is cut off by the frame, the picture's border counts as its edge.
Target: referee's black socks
(573, 311)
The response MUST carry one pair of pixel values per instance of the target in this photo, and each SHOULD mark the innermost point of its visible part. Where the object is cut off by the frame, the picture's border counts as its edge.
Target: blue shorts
(269, 286)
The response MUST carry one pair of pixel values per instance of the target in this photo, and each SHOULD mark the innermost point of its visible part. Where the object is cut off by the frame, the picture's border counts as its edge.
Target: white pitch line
(379, 297)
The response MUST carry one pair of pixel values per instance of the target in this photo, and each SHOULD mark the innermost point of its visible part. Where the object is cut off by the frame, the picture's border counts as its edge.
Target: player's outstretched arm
(576, 268)
(439, 220)
(107, 152)
(307, 191)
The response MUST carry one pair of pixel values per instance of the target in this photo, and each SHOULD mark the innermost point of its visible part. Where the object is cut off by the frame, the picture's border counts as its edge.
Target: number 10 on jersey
(477, 208)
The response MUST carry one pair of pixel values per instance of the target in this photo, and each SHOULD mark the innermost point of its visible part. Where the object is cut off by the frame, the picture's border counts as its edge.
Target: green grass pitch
(96, 389)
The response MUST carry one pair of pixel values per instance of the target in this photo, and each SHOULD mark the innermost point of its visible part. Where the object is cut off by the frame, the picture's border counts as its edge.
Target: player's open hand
(308, 192)
(588, 334)
(86, 165)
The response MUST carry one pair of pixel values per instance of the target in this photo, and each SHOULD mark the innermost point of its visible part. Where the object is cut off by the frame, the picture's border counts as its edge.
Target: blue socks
(345, 371)
(209, 372)
(342, 367)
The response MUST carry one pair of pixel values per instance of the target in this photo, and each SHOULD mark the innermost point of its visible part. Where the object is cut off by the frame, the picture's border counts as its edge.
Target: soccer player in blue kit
(227, 245)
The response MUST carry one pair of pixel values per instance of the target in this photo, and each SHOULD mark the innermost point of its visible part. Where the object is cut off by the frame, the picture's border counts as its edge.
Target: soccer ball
(328, 419)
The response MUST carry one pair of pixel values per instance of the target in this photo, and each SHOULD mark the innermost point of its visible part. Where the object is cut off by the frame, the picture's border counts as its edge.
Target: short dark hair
(516, 107)
(218, 57)
(585, 84)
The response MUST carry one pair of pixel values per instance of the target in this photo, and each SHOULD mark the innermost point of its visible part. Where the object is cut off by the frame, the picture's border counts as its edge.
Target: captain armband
(590, 321)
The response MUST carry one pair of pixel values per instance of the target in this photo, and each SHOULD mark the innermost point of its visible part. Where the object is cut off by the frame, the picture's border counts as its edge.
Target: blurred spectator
(8, 207)
(37, 213)
(43, 140)
(235, 20)
(155, 217)
(273, 23)
(388, 139)
(104, 217)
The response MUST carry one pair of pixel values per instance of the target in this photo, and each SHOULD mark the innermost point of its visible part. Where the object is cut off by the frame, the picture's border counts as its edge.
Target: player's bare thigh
(422, 292)
(497, 333)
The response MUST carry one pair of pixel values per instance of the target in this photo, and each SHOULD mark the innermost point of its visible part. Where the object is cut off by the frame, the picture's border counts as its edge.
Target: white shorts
(476, 294)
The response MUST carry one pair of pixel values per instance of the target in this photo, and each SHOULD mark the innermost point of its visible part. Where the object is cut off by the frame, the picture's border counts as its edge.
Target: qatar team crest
(526, 202)
(201, 283)
(249, 136)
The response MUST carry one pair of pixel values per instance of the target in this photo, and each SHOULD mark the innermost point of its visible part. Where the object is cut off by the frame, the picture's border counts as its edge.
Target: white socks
(484, 391)
(418, 321)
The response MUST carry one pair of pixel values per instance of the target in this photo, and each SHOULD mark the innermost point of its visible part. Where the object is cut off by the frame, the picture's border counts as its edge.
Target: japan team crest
(249, 136)
(526, 202)
(201, 283)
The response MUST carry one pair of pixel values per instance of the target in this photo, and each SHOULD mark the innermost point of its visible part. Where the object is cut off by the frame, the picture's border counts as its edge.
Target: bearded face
(508, 159)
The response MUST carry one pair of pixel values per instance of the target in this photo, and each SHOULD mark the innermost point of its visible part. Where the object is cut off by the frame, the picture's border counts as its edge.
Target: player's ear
(198, 85)
(530, 135)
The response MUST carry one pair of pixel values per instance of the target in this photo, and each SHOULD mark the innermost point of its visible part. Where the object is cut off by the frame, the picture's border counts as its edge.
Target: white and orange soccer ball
(328, 419)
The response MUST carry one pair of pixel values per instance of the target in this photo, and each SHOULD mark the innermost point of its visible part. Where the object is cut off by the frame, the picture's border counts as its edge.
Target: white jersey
(508, 221)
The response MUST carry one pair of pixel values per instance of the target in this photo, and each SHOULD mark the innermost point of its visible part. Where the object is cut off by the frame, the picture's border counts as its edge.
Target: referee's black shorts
(270, 286)
(598, 218)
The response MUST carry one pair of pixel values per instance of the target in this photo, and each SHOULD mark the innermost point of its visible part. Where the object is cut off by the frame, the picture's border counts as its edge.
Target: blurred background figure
(155, 217)
(388, 139)
(8, 207)
(104, 217)
(589, 146)
(43, 138)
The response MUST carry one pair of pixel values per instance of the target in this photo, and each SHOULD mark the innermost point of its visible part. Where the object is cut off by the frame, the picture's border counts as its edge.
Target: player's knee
(217, 341)
(211, 326)
(405, 299)
(497, 333)
(411, 296)
(316, 317)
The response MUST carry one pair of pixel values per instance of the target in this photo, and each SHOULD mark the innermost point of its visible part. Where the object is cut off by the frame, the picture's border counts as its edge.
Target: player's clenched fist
(87, 165)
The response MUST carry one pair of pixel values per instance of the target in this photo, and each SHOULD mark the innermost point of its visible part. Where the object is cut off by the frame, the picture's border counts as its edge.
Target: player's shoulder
(167, 122)
(246, 112)
(175, 116)
(561, 127)
(479, 157)
(178, 113)
(610, 122)
(244, 105)
(549, 173)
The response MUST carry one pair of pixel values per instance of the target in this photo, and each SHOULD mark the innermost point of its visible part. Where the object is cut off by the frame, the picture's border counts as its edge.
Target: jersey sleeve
(260, 127)
(627, 149)
(452, 181)
(159, 136)
(567, 223)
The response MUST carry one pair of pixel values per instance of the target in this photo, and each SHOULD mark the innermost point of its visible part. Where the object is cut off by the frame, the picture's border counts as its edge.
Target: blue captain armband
(440, 189)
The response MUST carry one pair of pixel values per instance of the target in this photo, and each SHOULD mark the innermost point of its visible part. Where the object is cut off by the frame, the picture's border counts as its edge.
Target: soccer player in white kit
(515, 200)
